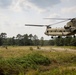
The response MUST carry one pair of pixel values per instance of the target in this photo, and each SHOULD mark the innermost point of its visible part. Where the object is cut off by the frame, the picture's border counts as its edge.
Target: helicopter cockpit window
(48, 27)
(66, 27)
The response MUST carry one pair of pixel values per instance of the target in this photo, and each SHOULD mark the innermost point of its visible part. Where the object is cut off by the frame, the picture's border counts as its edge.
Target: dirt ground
(60, 49)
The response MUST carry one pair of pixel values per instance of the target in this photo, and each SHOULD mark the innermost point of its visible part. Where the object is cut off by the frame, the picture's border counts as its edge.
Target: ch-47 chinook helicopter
(67, 30)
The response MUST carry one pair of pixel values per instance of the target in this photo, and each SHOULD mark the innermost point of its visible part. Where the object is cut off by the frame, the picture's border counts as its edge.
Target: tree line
(20, 40)
(33, 40)
(65, 41)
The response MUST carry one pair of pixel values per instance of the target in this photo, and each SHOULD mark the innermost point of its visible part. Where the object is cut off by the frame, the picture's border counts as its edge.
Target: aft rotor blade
(59, 18)
(35, 25)
(57, 23)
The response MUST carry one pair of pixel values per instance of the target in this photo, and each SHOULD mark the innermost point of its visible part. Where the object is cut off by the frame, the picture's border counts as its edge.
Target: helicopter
(67, 30)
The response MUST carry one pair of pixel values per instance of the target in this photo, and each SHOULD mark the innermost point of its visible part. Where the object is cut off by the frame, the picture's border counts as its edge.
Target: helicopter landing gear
(67, 36)
(74, 36)
(58, 36)
(51, 36)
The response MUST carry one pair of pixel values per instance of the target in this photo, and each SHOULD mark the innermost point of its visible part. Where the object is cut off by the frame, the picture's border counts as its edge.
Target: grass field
(32, 60)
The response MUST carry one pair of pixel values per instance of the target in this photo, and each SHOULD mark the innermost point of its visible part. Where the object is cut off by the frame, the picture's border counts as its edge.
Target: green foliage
(15, 66)
(51, 42)
(39, 59)
(59, 41)
(67, 41)
(73, 42)
(42, 41)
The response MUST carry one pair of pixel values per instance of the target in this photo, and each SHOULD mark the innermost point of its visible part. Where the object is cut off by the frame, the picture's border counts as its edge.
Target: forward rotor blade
(59, 18)
(35, 25)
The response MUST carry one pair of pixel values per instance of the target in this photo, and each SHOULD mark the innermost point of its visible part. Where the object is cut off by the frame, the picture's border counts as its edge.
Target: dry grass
(14, 51)
(62, 60)
(18, 51)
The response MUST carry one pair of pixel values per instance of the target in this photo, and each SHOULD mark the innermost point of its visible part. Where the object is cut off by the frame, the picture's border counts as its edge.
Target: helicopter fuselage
(59, 32)
(68, 29)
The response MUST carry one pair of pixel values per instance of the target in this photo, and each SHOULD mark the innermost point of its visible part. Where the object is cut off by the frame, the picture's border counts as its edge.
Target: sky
(14, 14)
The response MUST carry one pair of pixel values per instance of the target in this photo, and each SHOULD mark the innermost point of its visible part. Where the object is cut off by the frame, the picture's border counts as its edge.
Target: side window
(63, 31)
(55, 30)
(60, 30)
(50, 31)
